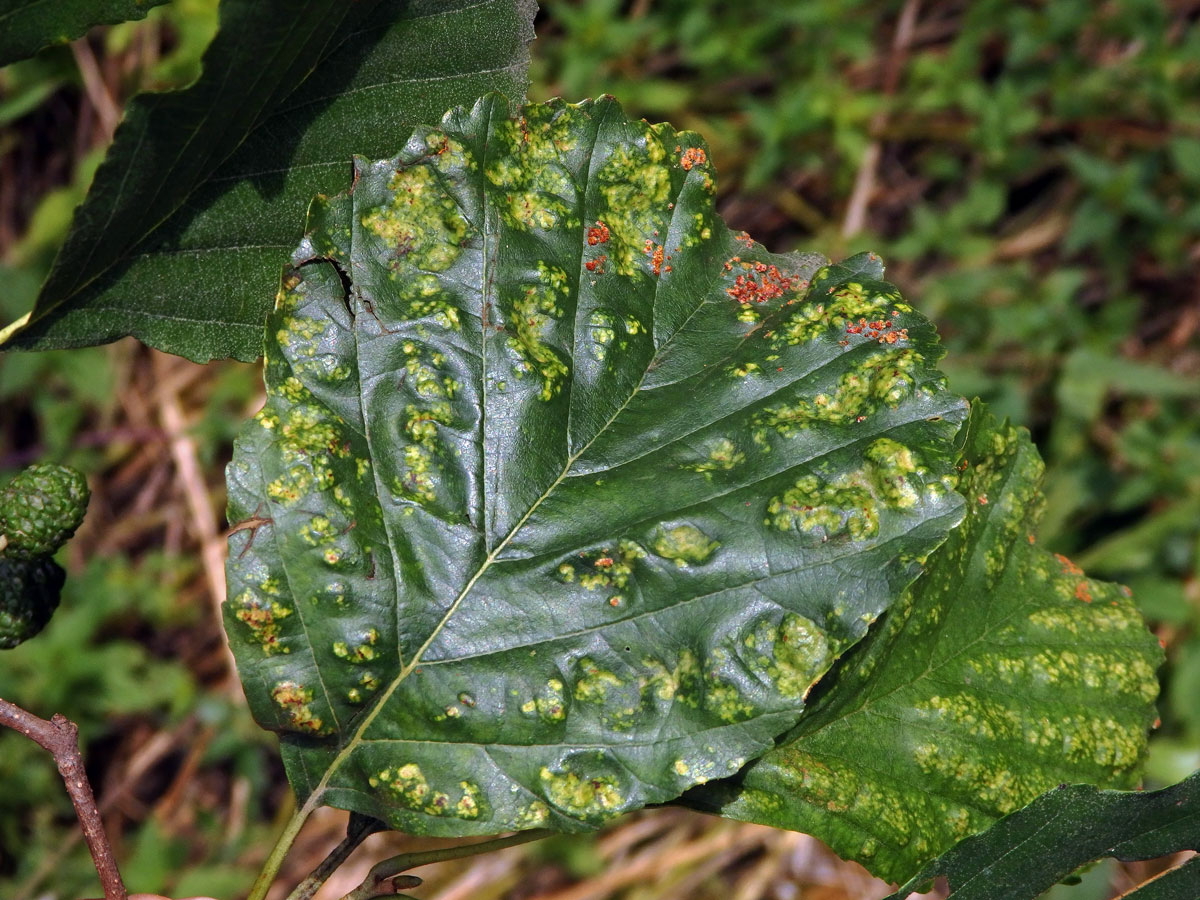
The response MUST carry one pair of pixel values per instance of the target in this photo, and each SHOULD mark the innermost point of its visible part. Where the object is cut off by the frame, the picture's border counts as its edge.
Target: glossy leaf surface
(564, 495)
(201, 197)
(1003, 672)
(26, 26)
(1033, 849)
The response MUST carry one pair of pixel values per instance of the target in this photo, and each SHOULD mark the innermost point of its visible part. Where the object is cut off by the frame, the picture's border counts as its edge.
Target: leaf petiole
(270, 869)
(386, 870)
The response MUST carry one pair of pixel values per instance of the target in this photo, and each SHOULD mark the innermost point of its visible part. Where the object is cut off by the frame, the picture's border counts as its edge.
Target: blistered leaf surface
(202, 195)
(564, 495)
(1033, 849)
(1004, 672)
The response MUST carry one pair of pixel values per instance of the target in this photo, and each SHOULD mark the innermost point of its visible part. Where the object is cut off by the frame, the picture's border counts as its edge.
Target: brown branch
(864, 181)
(356, 832)
(60, 736)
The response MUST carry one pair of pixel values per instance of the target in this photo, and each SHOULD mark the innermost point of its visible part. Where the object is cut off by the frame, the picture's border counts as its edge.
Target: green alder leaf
(1033, 849)
(26, 26)
(202, 195)
(1003, 672)
(564, 495)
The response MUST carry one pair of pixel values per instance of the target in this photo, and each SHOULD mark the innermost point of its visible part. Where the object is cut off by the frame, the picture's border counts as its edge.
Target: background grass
(1029, 170)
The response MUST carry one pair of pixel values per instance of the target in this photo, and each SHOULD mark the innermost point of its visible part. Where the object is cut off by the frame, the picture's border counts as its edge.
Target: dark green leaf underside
(26, 26)
(564, 495)
(1030, 851)
(202, 196)
(1003, 672)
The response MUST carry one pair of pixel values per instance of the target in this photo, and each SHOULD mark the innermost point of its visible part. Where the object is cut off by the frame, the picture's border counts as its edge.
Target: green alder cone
(1003, 672)
(29, 594)
(40, 509)
(564, 495)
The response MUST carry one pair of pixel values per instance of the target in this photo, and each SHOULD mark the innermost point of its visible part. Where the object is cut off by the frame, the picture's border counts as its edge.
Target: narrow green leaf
(202, 196)
(564, 495)
(1030, 851)
(26, 26)
(1003, 672)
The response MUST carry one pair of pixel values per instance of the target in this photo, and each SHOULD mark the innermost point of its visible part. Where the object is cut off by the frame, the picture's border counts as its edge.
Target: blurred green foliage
(1037, 192)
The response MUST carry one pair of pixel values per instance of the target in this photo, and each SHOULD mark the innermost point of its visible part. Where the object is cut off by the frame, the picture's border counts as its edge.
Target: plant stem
(60, 736)
(266, 877)
(356, 832)
(374, 884)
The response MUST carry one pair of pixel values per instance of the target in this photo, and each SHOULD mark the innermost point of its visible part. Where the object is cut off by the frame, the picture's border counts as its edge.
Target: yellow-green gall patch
(602, 327)
(892, 466)
(635, 182)
(723, 699)
(685, 544)
(531, 316)
(851, 503)
(886, 378)
(422, 227)
(418, 479)
(534, 190)
(262, 618)
(603, 569)
(791, 654)
(548, 704)
(827, 508)
(360, 652)
(593, 683)
(852, 304)
(680, 683)
(593, 798)
(408, 786)
(296, 703)
(723, 456)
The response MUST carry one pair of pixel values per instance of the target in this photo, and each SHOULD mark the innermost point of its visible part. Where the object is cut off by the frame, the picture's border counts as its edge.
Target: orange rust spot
(770, 285)
(983, 500)
(614, 601)
(597, 234)
(655, 252)
(693, 156)
(1030, 538)
(1157, 723)
(1069, 567)
(597, 264)
(1162, 643)
(883, 331)
(1082, 592)
(603, 562)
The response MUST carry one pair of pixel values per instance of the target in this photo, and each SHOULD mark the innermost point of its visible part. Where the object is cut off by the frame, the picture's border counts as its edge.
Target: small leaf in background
(26, 26)
(202, 195)
(1003, 672)
(1030, 851)
(564, 495)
